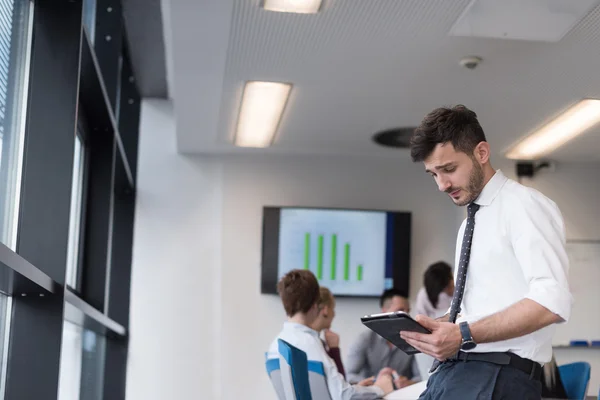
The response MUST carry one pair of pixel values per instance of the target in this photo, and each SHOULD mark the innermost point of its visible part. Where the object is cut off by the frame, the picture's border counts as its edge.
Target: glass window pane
(89, 18)
(15, 29)
(5, 304)
(92, 375)
(81, 364)
(75, 214)
(70, 362)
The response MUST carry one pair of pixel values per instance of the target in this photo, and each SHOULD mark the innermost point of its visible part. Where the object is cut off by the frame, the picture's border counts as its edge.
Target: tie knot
(472, 209)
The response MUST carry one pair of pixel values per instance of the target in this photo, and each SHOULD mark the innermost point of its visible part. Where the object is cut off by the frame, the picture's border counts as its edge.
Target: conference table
(411, 392)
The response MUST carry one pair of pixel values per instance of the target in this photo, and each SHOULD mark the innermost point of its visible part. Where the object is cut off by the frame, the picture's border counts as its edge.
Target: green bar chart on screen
(327, 246)
(347, 262)
(333, 255)
(346, 250)
(320, 258)
(307, 251)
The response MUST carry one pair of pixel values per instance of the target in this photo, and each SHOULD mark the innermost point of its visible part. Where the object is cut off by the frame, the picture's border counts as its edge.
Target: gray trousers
(459, 380)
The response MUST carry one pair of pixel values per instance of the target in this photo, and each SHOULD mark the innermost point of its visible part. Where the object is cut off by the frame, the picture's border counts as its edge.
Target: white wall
(176, 257)
(249, 184)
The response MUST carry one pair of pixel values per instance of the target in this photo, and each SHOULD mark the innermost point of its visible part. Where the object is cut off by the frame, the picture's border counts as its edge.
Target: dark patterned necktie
(465, 254)
(461, 276)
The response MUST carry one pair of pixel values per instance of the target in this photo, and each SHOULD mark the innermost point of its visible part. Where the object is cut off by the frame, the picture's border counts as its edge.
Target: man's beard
(474, 187)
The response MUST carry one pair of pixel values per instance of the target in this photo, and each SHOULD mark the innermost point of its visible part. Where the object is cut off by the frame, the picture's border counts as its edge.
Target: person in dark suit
(371, 353)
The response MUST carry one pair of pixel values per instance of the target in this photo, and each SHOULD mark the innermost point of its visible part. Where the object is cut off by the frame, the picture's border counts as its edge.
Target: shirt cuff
(379, 391)
(552, 296)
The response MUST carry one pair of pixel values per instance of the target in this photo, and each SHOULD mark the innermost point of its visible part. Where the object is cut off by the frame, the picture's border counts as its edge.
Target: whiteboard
(584, 281)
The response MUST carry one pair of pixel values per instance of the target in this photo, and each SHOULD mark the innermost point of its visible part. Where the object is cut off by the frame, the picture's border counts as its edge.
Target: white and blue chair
(294, 372)
(301, 379)
(274, 373)
(318, 381)
(575, 378)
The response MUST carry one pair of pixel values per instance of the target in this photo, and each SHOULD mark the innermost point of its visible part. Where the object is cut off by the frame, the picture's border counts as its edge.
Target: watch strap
(465, 332)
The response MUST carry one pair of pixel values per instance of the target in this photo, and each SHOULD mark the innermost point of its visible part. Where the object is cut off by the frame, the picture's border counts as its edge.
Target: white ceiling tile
(541, 20)
(361, 66)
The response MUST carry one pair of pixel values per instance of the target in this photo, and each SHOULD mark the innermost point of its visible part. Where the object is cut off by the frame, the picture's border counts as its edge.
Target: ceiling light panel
(570, 124)
(293, 6)
(262, 107)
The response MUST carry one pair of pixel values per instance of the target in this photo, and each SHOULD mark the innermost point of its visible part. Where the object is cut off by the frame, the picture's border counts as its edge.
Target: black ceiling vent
(395, 137)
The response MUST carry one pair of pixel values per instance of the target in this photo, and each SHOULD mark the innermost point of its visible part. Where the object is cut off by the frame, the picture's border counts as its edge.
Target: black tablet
(389, 325)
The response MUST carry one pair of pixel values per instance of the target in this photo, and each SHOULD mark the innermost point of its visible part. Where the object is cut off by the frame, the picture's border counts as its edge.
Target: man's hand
(384, 382)
(367, 382)
(402, 382)
(332, 339)
(443, 342)
(385, 371)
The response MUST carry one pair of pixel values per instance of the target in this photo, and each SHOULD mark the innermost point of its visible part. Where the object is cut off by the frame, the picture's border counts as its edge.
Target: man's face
(396, 303)
(455, 173)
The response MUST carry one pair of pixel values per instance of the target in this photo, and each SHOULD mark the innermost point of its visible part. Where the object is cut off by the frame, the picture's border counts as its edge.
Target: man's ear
(316, 308)
(482, 152)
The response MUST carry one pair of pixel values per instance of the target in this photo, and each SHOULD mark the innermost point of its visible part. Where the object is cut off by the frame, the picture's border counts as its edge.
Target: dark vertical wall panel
(34, 351)
(108, 44)
(47, 175)
(122, 234)
(129, 116)
(36, 325)
(120, 275)
(115, 370)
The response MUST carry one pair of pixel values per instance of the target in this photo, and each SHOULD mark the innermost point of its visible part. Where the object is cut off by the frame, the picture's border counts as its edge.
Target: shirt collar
(294, 326)
(491, 189)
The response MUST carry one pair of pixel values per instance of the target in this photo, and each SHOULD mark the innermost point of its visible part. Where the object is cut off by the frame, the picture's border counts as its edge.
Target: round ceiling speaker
(395, 137)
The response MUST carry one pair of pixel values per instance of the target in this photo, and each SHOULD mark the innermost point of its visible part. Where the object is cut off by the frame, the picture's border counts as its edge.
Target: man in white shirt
(511, 270)
(299, 292)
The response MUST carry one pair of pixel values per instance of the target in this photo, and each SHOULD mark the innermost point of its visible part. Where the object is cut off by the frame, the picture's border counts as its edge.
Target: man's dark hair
(436, 280)
(299, 291)
(457, 125)
(388, 294)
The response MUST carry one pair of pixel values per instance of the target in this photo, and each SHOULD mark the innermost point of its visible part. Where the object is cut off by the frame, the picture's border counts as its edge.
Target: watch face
(468, 345)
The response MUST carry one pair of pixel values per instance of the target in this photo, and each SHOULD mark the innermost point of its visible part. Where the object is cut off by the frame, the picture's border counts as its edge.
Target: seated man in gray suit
(371, 353)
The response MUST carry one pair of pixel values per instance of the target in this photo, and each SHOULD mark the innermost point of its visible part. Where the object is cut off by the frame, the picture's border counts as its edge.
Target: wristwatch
(467, 340)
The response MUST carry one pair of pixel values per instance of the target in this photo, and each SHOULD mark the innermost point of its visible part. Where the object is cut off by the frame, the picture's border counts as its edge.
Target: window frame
(72, 83)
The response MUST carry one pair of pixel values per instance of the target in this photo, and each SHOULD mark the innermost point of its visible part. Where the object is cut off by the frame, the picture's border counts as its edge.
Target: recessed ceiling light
(573, 122)
(263, 104)
(293, 6)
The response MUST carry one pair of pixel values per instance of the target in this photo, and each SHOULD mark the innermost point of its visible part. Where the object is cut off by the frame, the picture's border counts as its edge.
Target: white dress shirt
(424, 307)
(307, 340)
(518, 251)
